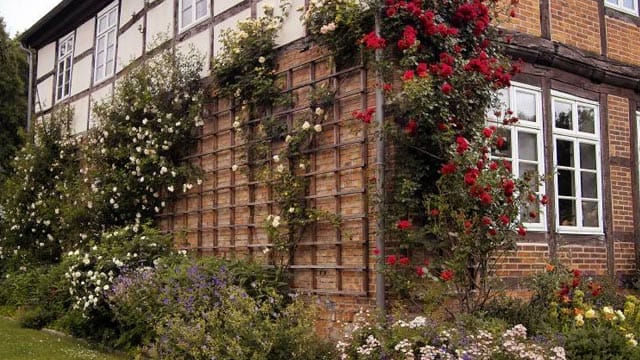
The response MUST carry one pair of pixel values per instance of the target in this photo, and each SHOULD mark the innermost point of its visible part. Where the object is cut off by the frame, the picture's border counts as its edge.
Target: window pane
(588, 156)
(530, 170)
(563, 115)
(567, 211)
(527, 146)
(59, 94)
(564, 149)
(589, 184)
(102, 24)
(566, 187)
(590, 214)
(505, 150)
(629, 4)
(201, 9)
(586, 119)
(186, 16)
(614, 2)
(526, 106)
(112, 18)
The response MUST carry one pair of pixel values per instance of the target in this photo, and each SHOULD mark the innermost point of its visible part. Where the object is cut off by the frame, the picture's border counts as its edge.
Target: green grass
(17, 343)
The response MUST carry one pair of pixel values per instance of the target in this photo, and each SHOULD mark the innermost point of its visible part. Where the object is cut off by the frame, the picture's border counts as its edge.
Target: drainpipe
(29, 88)
(380, 174)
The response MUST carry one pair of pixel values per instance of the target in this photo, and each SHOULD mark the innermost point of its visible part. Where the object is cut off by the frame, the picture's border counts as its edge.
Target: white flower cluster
(88, 284)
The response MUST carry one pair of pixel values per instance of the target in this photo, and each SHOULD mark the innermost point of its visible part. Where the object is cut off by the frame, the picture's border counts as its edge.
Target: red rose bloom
(492, 231)
(471, 176)
(390, 260)
(403, 224)
(411, 128)
(404, 261)
(446, 88)
(446, 275)
(504, 219)
(448, 168)
(420, 271)
(486, 198)
(408, 75)
(467, 224)
(486, 220)
(544, 200)
(500, 141)
(522, 231)
(493, 165)
(463, 144)
(366, 116)
(376, 251)
(487, 132)
(372, 41)
(435, 212)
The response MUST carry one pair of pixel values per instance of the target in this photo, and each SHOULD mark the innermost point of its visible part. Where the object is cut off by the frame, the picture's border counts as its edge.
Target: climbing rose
(411, 128)
(471, 176)
(487, 132)
(390, 260)
(403, 224)
(463, 144)
(485, 198)
(446, 275)
(448, 168)
(404, 261)
(522, 231)
(372, 41)
(446, 88)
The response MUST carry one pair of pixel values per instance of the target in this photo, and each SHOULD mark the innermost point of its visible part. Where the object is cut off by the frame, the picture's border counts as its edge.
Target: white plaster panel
(292, 28)
(220, 6)
(44, 94)
(80, 114)
(129, 8)
(97, 97)
(85, 35)
(201, 43)
(226, 24)
(159, 24)
(46, 59)
(129, 45)
(81, 77)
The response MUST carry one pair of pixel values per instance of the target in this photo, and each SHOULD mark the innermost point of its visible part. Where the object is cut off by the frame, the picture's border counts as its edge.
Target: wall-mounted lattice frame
(225, 214)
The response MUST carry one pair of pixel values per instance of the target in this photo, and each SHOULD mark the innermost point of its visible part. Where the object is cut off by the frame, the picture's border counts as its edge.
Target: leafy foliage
(13, 101)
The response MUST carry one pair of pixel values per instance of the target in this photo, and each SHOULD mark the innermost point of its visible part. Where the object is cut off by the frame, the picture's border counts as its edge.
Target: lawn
(17, 343)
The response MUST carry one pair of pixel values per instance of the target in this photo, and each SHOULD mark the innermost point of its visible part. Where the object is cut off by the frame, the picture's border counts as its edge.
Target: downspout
(29, 88)
(380, 174)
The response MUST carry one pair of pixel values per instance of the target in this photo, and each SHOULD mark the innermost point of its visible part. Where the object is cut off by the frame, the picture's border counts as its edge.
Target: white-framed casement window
(63, 70)
(524, 145)
(192, 12)
(106, 39)
(628, 6)
(576, 152)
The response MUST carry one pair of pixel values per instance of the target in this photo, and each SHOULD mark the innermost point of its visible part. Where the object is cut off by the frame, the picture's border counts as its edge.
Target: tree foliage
(13, 100)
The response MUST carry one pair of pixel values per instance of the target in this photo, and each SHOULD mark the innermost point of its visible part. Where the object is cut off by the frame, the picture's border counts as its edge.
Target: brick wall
(574, 23)
(623, 41)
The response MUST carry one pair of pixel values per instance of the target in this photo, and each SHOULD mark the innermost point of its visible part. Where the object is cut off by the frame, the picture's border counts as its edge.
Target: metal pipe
(29, 88)
(380, 174)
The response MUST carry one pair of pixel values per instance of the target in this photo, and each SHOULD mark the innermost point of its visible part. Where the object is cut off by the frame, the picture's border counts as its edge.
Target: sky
(19, 15)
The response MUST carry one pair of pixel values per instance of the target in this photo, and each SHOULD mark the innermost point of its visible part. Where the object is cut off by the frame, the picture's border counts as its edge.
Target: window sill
(621, 9)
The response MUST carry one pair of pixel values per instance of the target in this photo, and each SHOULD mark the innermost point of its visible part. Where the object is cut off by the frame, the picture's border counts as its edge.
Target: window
(63, 72)
(191, 12)
(628, 6)
(577, 162)
(524, 142)
(106, 37)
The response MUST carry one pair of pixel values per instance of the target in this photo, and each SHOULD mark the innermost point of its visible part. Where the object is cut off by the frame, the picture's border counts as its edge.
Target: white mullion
(578, 182)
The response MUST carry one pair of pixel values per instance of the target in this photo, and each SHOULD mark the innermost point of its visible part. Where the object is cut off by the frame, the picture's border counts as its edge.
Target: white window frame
(526, 127)
(620, 7)
(64, 67)
(103, 34)
(194, 20)
(577, 137)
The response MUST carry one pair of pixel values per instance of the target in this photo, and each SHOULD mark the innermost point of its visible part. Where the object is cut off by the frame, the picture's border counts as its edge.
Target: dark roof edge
(61, 20)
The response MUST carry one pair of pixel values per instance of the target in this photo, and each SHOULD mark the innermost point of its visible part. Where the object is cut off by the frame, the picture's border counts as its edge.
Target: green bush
(598, 343)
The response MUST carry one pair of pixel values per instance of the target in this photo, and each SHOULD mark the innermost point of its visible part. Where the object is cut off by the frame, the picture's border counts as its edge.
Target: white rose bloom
(288, 139)
(319, 111)
(276, 158)
(306, 125)
(234, 167)
(317, 128)
(261, 59)
(170, 188)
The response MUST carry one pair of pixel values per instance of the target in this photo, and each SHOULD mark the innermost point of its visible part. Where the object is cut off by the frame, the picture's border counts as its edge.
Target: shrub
(599, 343)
